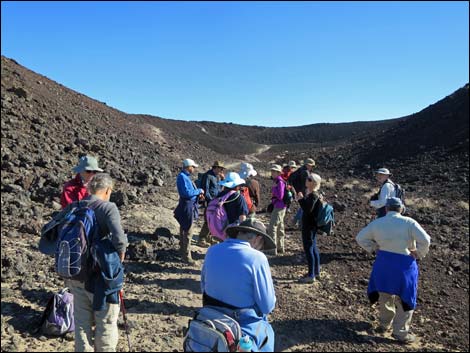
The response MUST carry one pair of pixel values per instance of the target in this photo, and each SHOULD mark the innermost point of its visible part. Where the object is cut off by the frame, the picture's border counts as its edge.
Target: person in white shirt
(387, 190)
(398, 242)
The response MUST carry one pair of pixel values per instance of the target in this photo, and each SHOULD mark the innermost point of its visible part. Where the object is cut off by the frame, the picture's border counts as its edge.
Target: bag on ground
(74, 238)
(212, 331)
(57, 318)
(216, 215)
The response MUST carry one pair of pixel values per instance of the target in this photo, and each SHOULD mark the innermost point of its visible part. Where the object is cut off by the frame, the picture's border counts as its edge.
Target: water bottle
(245, 344)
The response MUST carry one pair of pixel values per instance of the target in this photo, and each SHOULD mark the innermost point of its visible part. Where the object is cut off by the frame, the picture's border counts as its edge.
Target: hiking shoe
(409, 338)
(307, 279)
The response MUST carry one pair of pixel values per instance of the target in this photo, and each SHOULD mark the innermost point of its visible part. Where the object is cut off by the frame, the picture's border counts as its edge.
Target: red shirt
(74, 190)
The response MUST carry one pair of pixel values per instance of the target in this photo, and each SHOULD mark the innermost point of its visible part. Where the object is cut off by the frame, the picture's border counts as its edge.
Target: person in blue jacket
(187, 210)
(236, 278)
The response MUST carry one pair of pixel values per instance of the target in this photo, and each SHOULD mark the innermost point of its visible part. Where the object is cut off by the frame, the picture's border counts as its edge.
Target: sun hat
(292, 164)
(252, 225)
(218, 164)
(87, 163)
(309, 161)
(384, 171)
(247, 170)
(277, 168)
(189, 163)
(393, 202)
(232, 180)
(315, 177)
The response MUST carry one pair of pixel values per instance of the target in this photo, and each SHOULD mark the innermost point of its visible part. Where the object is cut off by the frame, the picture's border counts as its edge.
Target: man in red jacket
(76, 189)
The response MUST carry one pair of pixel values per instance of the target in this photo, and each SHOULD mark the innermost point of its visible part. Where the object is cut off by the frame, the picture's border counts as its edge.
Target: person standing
(310, 205)
(187, 210)
(236, 278)
(297, 180)
(276, 225)
(248, 173)
(210, 185)
(387, 190)
(76, 188)
(398, 242)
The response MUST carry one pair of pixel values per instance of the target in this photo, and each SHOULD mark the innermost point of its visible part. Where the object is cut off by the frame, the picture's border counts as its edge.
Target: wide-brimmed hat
(247, 170)
(232, 180)
(292, 164)
(309, 161)
(218, 164)
(252, 225)
(277, 168)
(384, 171)
(189, 163)
(87, 163)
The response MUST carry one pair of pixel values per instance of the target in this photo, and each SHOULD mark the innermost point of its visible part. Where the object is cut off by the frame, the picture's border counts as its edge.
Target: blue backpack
(74, 237)
(325, 217)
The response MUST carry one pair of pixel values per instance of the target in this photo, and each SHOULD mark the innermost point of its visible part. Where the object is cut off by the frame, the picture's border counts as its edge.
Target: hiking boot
(409, 338)
(307, 279)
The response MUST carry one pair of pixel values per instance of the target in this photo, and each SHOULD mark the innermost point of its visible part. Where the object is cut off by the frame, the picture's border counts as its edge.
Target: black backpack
(201, 181)
(399, 191)
(288, 195)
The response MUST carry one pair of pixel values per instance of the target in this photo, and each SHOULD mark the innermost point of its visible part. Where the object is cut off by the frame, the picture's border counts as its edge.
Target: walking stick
(126, 326)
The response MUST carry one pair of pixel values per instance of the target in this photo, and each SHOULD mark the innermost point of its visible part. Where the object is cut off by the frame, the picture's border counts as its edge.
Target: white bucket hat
(232, 180)
(384, 171)
(277, 168)
(247, 170)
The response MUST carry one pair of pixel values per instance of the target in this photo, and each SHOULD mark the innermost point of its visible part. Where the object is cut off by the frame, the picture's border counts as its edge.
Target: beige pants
(276, 228)
(185, 243)
(105, 336)
(392, 314)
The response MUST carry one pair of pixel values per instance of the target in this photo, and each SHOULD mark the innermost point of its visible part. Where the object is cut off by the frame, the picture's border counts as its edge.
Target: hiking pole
(126, 326)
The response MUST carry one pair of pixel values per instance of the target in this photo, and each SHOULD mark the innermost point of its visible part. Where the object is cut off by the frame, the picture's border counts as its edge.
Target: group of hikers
(236, 279)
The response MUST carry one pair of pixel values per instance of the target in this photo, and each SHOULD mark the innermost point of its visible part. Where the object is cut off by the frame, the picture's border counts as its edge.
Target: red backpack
(246, 194)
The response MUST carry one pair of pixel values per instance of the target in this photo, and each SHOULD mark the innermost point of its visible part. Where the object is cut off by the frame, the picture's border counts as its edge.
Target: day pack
(57, 318)
(399, 191)
(73, 242)
(288, 195)
(212, 331)
(246, 195)
(216, 215)
(325, 217)
(200, 182)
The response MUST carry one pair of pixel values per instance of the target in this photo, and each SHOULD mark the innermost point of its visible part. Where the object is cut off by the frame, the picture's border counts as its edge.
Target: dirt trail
(250, 158)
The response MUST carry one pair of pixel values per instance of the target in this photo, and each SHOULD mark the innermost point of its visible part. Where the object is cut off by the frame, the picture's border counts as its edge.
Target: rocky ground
(46, 127)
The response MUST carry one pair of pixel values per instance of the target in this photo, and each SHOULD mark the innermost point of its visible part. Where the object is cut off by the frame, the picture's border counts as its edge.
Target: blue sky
(253, 63)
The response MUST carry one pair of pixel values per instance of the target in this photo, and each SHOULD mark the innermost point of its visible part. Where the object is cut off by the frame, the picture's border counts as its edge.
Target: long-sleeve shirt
(310, 208)
(236, 274)
(277, 192)
(254, 189)
(386, 191)
(211, 186)
(394, 233)
(73, 190)
(186, 188)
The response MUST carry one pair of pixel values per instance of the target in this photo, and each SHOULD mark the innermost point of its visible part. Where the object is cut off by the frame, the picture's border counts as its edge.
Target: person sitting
(236, 278)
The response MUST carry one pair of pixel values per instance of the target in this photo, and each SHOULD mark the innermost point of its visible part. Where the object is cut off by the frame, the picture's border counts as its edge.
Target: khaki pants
(276, 228)
(389, 305)
(105, 336)
(185, 243)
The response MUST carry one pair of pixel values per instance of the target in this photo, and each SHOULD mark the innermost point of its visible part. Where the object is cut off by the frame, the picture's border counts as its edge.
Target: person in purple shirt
(236, 278)
(276, 225)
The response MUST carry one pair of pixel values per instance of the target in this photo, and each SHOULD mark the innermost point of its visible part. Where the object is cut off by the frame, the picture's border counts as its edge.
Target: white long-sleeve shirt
(394, 233)
(386, 191)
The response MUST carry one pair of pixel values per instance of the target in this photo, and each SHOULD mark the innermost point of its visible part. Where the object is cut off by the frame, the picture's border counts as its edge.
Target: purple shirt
(277, 191)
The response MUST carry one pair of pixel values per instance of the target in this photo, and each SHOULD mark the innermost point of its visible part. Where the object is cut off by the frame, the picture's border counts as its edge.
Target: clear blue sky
(253, 63)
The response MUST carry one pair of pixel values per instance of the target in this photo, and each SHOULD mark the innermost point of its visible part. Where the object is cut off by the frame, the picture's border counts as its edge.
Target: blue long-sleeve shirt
(186, 188)
(238, 275)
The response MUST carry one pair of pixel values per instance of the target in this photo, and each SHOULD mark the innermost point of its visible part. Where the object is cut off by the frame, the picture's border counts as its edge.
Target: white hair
(99, 182)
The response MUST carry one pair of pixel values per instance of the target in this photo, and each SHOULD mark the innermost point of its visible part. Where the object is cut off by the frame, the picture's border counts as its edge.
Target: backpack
(288, 195)
(57, 318)
(246, 195)
(212, 331)
(325, 217)
(74, 237)
(200, 182)
(216, 215)
(399, 191)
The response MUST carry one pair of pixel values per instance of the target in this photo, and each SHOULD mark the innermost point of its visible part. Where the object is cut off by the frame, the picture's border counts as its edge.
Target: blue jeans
(309, 239)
